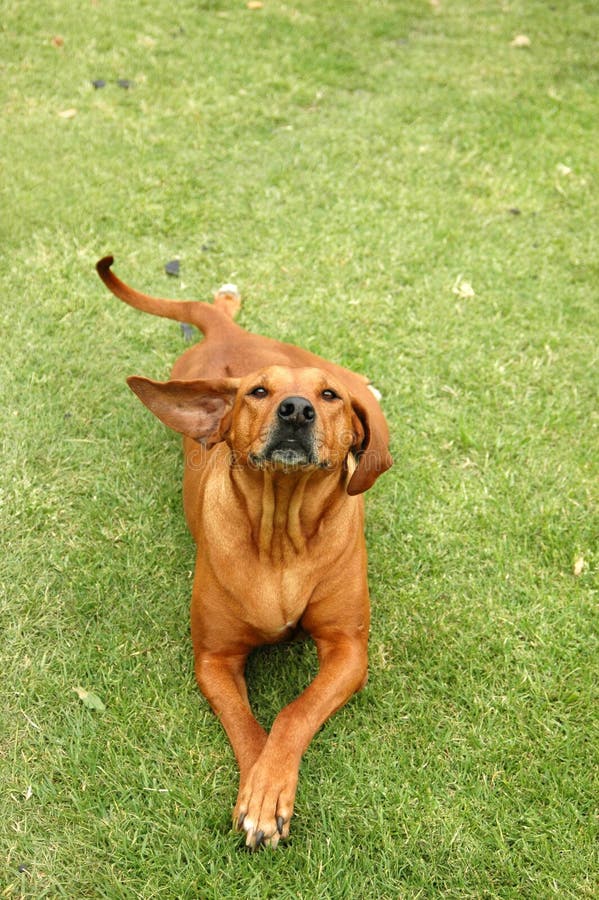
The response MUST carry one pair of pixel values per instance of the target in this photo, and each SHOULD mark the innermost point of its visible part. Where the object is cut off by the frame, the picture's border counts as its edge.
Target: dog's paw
(265, 804)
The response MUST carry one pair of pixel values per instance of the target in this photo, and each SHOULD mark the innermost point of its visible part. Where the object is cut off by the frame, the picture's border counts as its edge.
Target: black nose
(296, 411)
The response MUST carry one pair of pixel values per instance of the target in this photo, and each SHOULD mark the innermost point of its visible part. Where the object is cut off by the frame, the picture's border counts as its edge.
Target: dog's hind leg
(228, 300)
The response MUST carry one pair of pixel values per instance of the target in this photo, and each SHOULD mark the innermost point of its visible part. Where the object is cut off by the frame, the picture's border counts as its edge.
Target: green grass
(346, 164)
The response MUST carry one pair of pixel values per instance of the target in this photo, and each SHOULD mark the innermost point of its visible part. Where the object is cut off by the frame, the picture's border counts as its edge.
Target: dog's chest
(267, 565)
(268, 597)
(276, 601)
(269, 600)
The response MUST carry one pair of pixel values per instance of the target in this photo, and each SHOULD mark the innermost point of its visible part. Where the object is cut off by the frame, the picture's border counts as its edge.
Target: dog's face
(277, 418)
(286, 418)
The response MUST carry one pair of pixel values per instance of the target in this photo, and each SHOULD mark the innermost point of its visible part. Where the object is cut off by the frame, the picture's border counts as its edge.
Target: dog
(279, 447)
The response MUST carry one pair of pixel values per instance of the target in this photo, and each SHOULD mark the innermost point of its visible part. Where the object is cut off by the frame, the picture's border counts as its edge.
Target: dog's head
(277, 418)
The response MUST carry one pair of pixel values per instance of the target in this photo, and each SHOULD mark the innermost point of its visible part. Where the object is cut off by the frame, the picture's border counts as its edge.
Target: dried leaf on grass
(521, 40)
(89, 699)
(563, 170)
(463, 289)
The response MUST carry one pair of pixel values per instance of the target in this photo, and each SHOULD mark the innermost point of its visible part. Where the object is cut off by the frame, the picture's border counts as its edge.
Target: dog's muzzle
(290, 441)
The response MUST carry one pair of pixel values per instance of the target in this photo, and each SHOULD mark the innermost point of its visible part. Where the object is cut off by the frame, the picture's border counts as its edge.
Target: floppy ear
(372, 445)
(198, 409)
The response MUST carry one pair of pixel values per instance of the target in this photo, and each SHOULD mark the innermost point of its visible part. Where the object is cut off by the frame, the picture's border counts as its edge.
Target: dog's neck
(285, 516)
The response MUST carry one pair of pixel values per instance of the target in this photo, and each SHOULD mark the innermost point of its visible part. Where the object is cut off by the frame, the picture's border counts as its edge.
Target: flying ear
(372, 444)
(198, 409)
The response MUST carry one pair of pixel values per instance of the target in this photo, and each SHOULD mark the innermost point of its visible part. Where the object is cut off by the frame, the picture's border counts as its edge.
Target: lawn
(410, 189)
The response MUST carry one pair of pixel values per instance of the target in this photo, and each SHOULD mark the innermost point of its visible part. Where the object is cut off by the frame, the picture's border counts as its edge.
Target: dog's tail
(203, 315)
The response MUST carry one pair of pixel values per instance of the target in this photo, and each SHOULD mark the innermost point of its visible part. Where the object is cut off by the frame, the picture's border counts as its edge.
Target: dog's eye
(258, 392)
(328, 394)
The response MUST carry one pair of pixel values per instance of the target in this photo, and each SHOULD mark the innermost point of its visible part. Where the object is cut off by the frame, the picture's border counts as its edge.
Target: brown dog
(279, 445)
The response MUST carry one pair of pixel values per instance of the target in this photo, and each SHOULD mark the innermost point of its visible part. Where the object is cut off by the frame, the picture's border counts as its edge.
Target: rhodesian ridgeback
(279, 447)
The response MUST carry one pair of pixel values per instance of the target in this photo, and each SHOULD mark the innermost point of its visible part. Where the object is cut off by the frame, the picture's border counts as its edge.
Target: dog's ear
(199, 409)
(371, 447)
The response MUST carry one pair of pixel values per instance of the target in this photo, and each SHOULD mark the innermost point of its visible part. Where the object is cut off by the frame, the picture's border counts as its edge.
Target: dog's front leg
(266, 797)
(221, 680)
